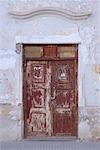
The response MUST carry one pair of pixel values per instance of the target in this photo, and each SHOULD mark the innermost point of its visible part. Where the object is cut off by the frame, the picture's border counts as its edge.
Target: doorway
(50, 90)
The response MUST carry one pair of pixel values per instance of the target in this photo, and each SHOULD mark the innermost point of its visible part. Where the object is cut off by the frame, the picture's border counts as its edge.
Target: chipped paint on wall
(7, 80)
(9, 76)
(89, 123)
(10, 122)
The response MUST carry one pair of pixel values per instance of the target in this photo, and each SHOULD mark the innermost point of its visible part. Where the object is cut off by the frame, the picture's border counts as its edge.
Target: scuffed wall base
(89, 123)
(10, 122)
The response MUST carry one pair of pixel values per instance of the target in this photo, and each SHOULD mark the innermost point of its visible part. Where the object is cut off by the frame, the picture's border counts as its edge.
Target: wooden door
(64, 106)
(36, 98)
(50, 91)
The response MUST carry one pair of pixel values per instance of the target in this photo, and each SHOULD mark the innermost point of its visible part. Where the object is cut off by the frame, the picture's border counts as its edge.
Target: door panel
(37, 99)
(64, 100)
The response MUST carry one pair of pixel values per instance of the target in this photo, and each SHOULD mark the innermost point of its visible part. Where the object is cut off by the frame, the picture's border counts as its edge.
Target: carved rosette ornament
(73, 9)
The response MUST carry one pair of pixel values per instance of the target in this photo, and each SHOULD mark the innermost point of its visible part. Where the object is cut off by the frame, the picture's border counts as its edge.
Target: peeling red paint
(50, 103)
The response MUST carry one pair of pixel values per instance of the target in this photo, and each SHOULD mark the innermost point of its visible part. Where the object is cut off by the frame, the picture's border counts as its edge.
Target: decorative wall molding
(73, 9)
(19, 48)
(52, 11)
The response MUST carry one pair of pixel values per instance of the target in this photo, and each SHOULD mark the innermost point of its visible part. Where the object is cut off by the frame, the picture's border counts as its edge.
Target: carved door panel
(36, 98)
(63, 98)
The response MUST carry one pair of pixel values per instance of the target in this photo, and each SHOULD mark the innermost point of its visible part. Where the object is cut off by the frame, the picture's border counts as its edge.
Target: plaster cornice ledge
(54, 11)
(74, 38)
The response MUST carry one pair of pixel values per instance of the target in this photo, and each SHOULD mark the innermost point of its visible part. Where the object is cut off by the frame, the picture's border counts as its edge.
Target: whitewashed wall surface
(21, 21)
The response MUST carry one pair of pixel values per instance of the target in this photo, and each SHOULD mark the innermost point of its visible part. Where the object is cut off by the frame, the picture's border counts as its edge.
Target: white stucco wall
(46, 25)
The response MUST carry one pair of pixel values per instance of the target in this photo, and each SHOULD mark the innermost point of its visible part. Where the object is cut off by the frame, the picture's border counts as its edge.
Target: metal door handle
(54, 93)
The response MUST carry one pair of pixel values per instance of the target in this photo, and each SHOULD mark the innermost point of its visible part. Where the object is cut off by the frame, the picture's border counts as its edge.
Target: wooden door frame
(76, 85)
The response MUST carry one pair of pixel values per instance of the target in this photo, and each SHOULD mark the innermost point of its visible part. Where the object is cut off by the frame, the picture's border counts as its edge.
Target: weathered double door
(50, 105)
